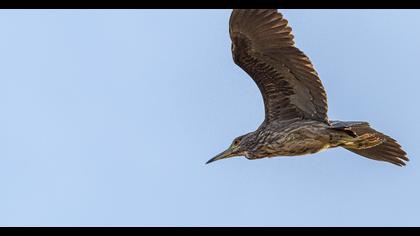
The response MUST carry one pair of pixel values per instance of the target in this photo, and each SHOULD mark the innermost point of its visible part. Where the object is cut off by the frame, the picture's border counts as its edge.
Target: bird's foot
(364, 141)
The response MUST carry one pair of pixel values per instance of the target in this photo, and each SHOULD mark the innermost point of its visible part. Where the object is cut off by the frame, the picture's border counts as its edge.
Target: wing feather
(263, 46)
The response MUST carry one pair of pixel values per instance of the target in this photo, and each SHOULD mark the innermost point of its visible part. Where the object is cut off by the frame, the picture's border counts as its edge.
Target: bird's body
(296, 121)
(298, 137)
(290, 138)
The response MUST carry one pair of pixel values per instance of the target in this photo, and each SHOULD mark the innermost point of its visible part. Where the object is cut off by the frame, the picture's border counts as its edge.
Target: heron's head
(237, 148)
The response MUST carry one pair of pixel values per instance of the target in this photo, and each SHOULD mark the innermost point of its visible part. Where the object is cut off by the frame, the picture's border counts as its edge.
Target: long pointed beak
(222, 155)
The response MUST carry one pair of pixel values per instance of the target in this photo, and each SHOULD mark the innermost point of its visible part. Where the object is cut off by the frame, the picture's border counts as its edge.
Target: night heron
(295, 102)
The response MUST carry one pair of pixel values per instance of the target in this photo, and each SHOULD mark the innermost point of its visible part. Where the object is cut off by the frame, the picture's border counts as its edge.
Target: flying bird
(295, 102)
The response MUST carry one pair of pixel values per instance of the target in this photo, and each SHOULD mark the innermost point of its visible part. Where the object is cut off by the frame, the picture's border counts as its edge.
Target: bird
(295, 101)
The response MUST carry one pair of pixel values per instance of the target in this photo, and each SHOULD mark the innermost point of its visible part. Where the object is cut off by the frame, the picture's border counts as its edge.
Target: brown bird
(296, 121)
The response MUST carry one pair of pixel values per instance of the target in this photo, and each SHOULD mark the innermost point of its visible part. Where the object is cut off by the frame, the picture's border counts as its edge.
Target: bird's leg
(363, 141)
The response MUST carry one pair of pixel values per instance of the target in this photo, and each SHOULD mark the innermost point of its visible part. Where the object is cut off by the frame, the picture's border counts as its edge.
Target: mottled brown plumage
(296, 121)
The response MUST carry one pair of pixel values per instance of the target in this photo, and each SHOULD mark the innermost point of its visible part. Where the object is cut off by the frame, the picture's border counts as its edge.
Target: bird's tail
(367, 145)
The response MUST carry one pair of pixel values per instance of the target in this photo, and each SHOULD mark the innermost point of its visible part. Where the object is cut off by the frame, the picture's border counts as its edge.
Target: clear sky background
(108, 116)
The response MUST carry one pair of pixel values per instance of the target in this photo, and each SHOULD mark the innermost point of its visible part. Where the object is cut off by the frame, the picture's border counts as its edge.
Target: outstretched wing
(263, 46)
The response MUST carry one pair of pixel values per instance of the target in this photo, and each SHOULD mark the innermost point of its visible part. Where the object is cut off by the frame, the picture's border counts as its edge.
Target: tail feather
(389, 150)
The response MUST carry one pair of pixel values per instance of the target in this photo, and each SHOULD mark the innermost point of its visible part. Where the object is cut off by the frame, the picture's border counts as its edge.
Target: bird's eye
(236, 142)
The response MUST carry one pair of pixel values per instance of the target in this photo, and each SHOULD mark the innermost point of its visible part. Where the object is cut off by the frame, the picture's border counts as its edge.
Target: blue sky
(108, 117)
